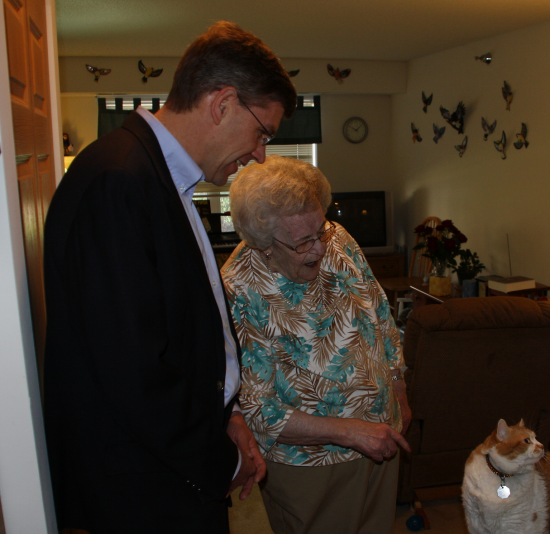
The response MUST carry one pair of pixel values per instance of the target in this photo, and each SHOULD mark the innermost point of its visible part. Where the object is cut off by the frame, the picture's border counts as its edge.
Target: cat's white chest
(524, 511)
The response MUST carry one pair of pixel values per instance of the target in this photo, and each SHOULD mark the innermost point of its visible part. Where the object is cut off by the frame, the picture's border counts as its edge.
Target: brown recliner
(470, 363)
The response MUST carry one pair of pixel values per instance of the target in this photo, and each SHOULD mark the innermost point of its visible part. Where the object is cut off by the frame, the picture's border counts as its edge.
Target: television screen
(363, 215)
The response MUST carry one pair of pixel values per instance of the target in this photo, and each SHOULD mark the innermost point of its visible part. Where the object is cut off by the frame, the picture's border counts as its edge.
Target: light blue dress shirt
(186, 174)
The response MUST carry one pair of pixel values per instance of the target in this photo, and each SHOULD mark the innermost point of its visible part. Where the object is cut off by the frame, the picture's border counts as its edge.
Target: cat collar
(503, 491)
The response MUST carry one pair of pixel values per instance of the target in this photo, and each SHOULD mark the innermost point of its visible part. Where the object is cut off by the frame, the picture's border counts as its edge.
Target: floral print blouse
(325, 347)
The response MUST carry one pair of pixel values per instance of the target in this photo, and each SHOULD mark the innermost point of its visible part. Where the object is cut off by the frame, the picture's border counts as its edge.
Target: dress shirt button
(219, 385)
(213, 282)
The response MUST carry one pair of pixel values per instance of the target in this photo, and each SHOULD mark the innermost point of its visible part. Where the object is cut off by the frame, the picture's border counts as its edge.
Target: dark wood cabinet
(387, 265)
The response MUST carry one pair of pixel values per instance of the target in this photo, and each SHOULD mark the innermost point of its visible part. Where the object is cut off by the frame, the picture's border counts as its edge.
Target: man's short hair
(226, 56)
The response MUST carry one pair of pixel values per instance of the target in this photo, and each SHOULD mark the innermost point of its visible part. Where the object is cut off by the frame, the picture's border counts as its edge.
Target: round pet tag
(503, 492)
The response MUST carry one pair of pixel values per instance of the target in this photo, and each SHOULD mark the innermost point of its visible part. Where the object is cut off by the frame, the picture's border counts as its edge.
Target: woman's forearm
(376, 440)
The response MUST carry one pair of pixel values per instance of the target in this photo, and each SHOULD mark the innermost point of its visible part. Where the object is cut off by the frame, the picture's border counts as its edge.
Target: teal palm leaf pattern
(383, 310)
(345, 283)
(367, 273)
(292, 291)
(341, 366)
(390, 350)
(292, 453)
(272, 410)
(320, 326)
(365, 327)
(332, 404)
(297, 348)
(255, 309)
(353, 254)
(258, 359)
(380, 403)
(335, 448)
(286, 393)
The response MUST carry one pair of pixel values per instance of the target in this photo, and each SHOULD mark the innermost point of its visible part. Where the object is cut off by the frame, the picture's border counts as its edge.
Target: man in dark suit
(141, 372)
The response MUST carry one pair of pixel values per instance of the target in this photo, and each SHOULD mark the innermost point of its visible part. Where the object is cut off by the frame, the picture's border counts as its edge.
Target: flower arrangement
(442, 249)
(469, 266)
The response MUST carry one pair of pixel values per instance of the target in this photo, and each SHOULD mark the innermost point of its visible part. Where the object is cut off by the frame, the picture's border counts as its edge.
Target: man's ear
(222, 102)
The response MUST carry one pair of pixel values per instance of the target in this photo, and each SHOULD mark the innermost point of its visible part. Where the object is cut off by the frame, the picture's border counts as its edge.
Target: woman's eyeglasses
(306, 246)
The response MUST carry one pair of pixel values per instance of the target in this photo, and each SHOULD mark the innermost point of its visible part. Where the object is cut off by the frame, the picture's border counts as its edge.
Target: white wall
(485, 196)
(366, 93)
(356, 167)
(79, 119)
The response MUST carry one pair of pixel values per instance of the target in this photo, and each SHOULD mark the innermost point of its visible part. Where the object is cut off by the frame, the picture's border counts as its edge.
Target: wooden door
(25, 22)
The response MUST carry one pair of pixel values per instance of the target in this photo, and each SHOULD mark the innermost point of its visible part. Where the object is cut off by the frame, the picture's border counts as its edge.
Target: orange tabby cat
(506, 484)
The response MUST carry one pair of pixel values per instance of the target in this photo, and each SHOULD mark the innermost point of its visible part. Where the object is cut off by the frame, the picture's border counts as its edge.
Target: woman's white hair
(262, 194)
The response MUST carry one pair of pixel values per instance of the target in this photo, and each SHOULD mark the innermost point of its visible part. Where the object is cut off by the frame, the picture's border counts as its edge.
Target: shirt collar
(185, 172)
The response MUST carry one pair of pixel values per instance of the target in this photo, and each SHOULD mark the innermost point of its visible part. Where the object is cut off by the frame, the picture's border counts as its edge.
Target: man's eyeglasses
(306, 246)
(268, 137)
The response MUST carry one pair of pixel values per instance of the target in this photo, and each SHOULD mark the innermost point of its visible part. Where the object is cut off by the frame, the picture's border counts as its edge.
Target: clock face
(355, 130)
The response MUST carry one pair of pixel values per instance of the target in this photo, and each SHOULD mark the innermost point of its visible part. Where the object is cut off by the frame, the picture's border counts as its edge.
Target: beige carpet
(446, 516)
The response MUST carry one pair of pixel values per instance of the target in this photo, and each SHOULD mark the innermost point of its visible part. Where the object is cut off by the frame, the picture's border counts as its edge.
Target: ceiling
(394, 30)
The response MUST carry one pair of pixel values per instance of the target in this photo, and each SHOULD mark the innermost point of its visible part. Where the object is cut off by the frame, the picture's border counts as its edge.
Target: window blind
(296, 137)
(305, 152)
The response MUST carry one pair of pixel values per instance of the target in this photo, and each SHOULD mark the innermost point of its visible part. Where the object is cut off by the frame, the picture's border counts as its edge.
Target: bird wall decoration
(97, 72)
(501, 145)
(426, 101)
(438, 133)
(485, 58)
(521, 137)
(416, 135)
(148, 72)
(487, 128)
(292, 73)
(456, 118)
(507, 95)
(338, 74)
(462, 147)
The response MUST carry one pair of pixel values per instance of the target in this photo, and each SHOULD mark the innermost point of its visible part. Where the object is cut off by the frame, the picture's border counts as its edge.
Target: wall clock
(355, 130)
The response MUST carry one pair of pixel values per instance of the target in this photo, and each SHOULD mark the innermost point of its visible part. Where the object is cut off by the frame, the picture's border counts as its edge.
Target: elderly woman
(322, 388)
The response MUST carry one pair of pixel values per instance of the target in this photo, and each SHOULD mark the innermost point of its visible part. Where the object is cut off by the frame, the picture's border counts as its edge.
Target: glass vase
(439, 268)
(440, 283)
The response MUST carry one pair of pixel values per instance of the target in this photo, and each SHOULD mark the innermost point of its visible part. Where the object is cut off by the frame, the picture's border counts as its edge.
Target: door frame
(25, 487)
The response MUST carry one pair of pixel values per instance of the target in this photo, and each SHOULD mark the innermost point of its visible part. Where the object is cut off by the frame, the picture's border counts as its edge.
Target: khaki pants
(355, 497)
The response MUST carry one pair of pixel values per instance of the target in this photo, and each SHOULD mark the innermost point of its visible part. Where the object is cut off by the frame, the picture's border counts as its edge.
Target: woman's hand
(376, 440)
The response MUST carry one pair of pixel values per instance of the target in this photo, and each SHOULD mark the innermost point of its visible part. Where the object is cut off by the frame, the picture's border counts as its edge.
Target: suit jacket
(135, 358)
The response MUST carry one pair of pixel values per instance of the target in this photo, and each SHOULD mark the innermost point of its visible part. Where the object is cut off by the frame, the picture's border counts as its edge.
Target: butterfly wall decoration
(462, 147)
(438, 133)
(426, 100)
(501, 145)
(148, 72)
(521, 137)
(416, 135)
(487, 128)
(456, 118)
(337, 74)
(97, 72)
